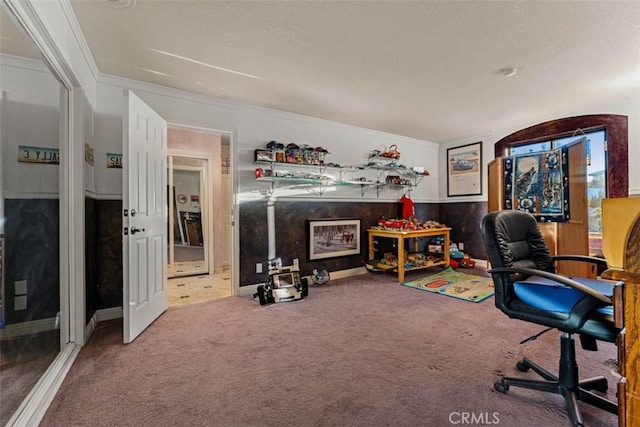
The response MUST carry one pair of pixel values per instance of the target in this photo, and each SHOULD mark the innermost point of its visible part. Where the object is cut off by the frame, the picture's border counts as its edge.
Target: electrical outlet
(461, 246)
(20, 287)
(20, 303)
(259, 267)
(296, 263)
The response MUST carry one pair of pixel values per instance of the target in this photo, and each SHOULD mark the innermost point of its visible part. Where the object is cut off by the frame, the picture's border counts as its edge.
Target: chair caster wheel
(500, 387)
(522, 367)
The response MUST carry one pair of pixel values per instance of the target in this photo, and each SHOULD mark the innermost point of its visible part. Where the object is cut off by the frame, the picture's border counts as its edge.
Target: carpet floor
(359, 351)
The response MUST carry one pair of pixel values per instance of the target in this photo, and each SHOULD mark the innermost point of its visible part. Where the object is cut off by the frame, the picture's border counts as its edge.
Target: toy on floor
(283, 284)
(320, 276)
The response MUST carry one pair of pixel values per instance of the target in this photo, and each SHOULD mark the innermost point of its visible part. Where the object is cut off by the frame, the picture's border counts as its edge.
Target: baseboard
(90, 327)
(108, 314)
(35, 405)
(340, 274)
(28, 328)
(481, 262)
(248, 290)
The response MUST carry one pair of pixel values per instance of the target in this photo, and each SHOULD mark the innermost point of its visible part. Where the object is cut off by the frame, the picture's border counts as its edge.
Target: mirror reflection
(188, 252)
(30, 116)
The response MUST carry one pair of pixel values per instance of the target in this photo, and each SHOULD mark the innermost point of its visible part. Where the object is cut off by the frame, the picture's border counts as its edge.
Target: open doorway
(200, 206)
(189, 217)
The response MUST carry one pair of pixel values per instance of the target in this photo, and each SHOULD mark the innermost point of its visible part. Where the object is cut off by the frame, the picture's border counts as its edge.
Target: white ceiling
(425, 69)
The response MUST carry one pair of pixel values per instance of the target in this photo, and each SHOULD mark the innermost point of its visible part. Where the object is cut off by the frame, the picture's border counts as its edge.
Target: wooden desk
(621, 247)
(415, 235)
(627, 316)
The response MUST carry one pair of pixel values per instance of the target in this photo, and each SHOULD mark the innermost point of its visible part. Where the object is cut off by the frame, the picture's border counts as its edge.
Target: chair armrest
(582, 258)
(557, 278)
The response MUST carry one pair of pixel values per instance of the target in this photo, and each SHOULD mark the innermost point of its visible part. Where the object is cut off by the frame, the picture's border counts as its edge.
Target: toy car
(283, 284)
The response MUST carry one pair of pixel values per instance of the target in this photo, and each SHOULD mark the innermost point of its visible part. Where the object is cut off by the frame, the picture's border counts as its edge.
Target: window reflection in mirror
(30, 114)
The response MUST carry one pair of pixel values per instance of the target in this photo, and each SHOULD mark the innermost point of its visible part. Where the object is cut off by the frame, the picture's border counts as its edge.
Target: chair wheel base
(501, 387)
(522, 367)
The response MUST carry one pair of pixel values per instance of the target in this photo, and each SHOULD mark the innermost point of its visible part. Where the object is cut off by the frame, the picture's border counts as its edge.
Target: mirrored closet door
(188, 249)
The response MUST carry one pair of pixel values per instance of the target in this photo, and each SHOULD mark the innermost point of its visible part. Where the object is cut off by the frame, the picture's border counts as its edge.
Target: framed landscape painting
(330, 238)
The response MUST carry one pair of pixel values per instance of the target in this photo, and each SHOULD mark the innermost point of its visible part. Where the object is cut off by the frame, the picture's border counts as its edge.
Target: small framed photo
(331, 238)
(264, 156)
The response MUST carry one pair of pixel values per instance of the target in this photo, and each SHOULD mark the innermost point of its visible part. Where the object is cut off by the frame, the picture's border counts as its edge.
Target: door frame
(206, 205)
(231, 135)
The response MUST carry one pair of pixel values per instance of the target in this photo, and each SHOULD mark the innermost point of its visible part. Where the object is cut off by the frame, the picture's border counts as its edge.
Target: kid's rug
(454, 284)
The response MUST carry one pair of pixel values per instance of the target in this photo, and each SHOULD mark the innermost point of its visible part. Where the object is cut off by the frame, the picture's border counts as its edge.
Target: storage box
(431, 247)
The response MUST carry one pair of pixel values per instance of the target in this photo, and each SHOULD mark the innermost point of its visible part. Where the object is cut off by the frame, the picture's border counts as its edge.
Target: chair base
(566, 383)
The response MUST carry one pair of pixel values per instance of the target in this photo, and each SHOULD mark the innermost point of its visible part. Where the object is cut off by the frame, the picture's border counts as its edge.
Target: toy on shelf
(406, 224)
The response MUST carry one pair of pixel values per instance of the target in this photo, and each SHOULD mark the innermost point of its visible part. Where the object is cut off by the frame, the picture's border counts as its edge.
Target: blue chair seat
(545, 294)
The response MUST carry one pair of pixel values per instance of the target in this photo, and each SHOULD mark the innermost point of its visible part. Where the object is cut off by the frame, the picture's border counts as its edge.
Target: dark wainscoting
(291, 236)
(32, 253)
(464, 220)
(90, 256)
(108, 247)
(291, 232)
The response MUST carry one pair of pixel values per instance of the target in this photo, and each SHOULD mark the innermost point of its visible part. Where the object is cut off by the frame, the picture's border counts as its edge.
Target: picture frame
(464, 170)
(331, 238)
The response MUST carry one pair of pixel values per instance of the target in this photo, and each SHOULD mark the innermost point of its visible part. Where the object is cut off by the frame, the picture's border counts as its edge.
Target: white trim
(35, 405)
(341, 274)
(45, 23)
(73, 173)
(248, 290)
(101, 316)
(108, 314)
(206, 189)
(30, 196)
(74, 26)
(90, 327)
(102, 196)
(30, 19)
(23, 63)
(634, 192)
(29, 327)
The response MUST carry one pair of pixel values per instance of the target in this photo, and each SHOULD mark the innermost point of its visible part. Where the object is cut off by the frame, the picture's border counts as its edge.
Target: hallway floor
(193, 289)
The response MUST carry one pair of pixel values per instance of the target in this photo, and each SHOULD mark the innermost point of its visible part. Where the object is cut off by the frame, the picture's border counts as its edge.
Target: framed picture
(330, 238)
(464, 170)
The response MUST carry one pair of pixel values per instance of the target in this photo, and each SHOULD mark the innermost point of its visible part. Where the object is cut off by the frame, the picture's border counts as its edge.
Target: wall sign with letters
(38, 155)
(114, 160)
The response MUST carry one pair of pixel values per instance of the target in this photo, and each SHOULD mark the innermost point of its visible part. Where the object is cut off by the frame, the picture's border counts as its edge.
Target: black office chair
(527, 288)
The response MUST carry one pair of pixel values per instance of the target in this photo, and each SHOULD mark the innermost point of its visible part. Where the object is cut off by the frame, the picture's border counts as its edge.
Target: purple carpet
(362, 351)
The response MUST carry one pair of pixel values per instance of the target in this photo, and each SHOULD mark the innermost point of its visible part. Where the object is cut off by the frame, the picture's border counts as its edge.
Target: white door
(145, 216)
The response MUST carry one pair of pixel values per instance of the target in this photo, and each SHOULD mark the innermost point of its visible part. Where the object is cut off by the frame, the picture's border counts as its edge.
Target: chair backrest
(512, 238)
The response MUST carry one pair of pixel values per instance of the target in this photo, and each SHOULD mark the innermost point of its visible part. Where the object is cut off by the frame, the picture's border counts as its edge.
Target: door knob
(134, 230)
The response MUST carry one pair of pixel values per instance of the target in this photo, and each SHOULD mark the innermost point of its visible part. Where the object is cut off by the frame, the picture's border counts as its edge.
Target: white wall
(252, 127)
(629, 108)
(30, 94)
